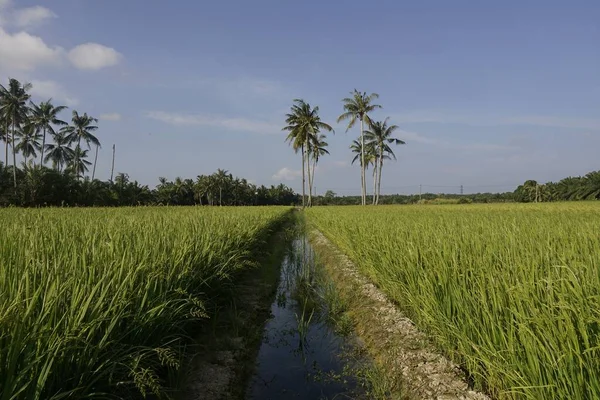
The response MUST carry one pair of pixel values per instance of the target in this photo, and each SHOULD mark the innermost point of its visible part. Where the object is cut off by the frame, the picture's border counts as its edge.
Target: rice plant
(96, 302)
(511, 292)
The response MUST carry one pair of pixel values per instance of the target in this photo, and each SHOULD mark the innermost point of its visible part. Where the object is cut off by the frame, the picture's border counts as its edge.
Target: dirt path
(410, 366)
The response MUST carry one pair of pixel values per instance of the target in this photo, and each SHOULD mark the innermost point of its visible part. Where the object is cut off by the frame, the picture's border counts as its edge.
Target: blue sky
(487, 94)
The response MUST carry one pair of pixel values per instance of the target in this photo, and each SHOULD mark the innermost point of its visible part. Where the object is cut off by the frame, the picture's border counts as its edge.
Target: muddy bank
(408, 365)
(224, 352)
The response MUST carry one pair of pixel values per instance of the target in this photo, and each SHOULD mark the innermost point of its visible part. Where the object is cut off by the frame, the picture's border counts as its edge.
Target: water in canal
(306, 352)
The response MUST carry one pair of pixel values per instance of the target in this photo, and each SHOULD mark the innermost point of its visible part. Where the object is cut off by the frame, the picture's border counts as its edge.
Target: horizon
(486, 96)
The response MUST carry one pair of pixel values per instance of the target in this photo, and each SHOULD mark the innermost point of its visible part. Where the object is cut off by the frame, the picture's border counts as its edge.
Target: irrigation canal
(305, 353)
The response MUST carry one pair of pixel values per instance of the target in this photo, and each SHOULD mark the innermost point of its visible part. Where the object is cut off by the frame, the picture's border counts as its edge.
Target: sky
(485, 94)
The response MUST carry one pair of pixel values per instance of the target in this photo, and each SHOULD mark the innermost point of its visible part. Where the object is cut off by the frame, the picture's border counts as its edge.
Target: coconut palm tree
(81, 128)
(4, 129)
(79, 165)
(303, 125)
(43, 117)
(29, 142)
(369, 155)
(13, 107)
(380, 136)
(317, 148)
(59, 152)
(221, 177)
(358, 108)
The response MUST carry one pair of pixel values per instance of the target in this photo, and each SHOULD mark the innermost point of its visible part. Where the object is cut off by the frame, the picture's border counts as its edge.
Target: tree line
(307, 135)
(38, 185)
(578, 188)
(55, 161)
(25, 128)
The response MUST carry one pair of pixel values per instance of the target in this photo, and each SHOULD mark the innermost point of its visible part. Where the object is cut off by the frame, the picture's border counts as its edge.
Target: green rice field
(95, 303)
(510, 292)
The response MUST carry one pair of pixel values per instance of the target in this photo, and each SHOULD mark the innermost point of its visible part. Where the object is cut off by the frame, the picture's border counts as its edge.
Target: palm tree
(43, 117)
(59, 153)
(380, 135)
(4, 128)
(29, 141)
(221, 177)
(79, 165)
(81, 129)
(358, 107)
(317, 148)
(303, 125)
(13, 108)
(369, 155)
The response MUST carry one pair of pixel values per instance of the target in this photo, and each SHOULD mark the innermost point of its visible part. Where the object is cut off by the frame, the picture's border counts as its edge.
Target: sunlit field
(511, 292)
(97, 301)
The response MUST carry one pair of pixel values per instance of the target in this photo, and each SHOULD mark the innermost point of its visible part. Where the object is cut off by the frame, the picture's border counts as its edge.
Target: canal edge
(407, 366)
(222, 365)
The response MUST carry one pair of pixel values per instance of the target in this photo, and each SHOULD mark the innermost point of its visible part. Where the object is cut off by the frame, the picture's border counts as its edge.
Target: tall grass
(96, 302)
(512, 292)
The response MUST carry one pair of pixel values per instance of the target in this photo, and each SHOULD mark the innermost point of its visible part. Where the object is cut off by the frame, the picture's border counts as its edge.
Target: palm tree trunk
(6, 144)
(363, 181)
(220, 196)
(379, 178)
(303, 180)
(95, 159)
(14, 154)
(309, 178)
(314, 166)
(374, 181)
(43, 146)
(77, 158)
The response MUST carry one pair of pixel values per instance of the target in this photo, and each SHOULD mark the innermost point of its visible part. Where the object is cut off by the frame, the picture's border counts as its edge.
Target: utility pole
(461, 190)
(112, 169)
(420, 191)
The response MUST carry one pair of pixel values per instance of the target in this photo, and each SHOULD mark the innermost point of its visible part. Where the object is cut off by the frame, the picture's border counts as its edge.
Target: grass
(97, 303)
(511, 292)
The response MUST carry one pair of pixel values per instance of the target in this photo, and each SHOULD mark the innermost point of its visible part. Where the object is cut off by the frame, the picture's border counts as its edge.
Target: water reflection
(302, 356)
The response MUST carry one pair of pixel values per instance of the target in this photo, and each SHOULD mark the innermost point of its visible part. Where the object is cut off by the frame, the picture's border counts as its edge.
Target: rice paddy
(96, 303)
(510, 292)
(100, 303)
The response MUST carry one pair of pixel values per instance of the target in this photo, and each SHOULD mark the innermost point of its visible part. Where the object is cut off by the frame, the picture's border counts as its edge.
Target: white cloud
(286, 174)
(24, 52)
(93, 56)
(110, 117)
(31, 16)
(51, 89)
(235, 123)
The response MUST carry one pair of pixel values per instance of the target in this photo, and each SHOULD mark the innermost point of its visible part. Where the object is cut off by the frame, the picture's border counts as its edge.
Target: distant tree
(13, 107)
(304, 124)
(28, 141)
(591, 189)
(317, 148)
(380, 136)
(221, 178)
(43, 118)
(59, 152)
(81, 129)
(368, 155)
(79, 165)
(358, 107)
